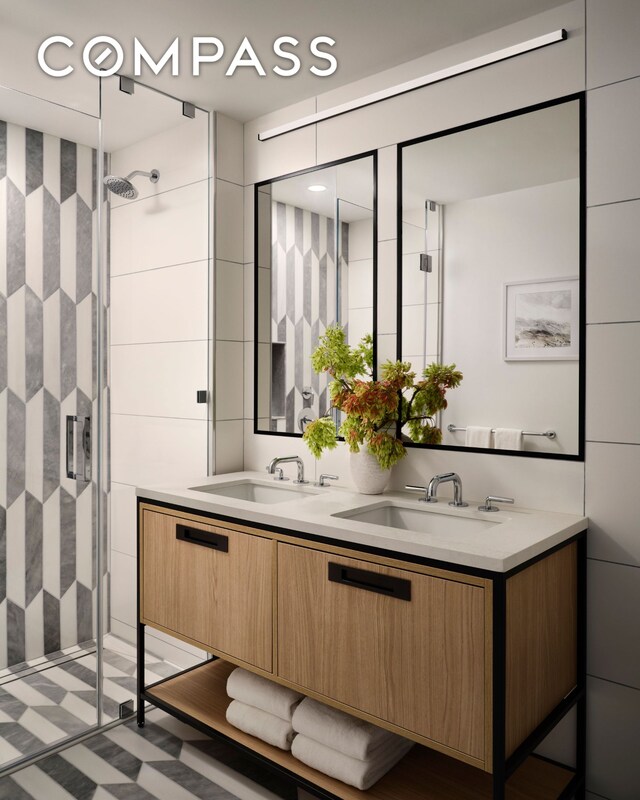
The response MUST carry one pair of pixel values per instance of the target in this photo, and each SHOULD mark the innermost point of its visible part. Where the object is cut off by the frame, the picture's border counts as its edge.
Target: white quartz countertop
(510, 536)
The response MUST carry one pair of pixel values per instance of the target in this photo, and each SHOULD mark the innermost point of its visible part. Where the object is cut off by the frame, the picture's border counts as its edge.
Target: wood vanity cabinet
(475, 667)
(209, 585)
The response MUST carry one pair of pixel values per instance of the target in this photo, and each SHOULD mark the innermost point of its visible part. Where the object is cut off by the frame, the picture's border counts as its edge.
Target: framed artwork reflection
(542, 320)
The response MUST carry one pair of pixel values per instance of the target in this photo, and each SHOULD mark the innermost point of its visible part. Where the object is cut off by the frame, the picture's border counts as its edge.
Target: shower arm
(135, 172)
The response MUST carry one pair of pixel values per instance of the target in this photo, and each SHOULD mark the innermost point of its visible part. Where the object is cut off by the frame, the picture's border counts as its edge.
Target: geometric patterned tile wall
(47, 370)
(303, 301)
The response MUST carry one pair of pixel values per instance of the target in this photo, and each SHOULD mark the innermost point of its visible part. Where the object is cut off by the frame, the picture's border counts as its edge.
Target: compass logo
(103, 56)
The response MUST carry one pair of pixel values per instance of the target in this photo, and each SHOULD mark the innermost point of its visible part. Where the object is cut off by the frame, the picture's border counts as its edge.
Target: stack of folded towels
(344, 747)
(261, 708)
(341, 746)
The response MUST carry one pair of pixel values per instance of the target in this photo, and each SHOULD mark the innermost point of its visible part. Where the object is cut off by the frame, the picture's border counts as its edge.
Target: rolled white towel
(349, 735)
(478, 436)
(259, 692)
(507, 439)
(268, 727)
(361, 774)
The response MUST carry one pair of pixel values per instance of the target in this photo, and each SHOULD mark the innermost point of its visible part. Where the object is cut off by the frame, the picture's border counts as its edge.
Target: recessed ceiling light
(317, 187)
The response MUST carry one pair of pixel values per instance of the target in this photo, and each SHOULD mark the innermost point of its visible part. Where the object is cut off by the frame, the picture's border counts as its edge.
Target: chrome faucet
(445, 477)
(274, 469)
(431, 490)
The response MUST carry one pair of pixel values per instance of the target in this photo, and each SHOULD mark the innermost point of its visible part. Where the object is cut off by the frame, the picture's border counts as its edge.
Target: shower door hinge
(125, 709)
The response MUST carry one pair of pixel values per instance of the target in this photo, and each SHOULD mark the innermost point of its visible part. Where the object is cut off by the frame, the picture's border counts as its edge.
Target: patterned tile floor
(166, 760)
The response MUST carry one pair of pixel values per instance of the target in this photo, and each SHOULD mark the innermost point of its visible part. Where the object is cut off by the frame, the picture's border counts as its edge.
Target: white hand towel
(507, 439)
(259, 692)
(478, 436)
(268, 727)
(352, 736)
(361, 774)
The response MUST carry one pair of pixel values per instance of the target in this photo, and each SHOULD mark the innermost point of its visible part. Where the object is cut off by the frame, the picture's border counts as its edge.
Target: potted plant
(376, 410)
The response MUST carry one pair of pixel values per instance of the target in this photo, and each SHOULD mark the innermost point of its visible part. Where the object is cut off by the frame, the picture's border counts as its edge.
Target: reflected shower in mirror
(315, 267)
(492, 235)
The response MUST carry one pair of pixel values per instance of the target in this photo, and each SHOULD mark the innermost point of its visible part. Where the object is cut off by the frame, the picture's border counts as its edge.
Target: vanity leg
(499, 687)
(140, 675)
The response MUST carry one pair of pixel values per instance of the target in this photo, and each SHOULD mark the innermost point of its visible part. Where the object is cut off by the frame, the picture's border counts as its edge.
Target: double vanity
(460, 629)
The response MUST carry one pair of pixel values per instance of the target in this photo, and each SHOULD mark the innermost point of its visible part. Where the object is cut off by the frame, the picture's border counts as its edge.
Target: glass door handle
(85, 474)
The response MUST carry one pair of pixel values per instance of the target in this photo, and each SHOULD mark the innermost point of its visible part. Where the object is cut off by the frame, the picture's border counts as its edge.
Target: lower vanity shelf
(198, 696)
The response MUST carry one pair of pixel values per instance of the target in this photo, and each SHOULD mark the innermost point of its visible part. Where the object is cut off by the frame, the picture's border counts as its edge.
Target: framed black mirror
(315, 266)
(491, 277)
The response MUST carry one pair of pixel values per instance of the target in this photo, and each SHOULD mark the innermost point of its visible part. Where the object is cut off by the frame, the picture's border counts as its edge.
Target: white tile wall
(229, 301)
(123, 518)
(613, 247)
(613, 383)
(162, 305)
(147, 451)
(613, 724)
(229, 380)
(170, 228)
(612, 41)
(264, 160)
(613, 129)
(229, 149)
(159, 379)
(180, 154)
(611, 481)
(614, 645)
(229, 204)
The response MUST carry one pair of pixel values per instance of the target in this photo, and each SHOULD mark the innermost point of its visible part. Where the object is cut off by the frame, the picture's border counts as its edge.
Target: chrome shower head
(123, 186)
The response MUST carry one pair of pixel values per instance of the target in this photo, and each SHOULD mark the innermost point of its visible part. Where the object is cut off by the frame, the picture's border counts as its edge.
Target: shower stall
(63, 673)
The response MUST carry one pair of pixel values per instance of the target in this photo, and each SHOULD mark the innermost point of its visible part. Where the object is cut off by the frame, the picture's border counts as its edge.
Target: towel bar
(549, 434)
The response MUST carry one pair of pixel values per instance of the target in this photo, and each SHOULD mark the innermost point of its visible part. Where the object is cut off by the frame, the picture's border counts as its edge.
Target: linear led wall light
(417, 83)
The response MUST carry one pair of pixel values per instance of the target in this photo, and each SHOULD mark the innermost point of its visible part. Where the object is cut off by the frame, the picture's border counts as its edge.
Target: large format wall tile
(149, 306)
(613, 28)
(147, 451)
(180, 154)
(168, 229)
(613, 731)
(159, 380)
(614, 645)
(613, 129)
(613, 383)
(613, 254)
(611, 481)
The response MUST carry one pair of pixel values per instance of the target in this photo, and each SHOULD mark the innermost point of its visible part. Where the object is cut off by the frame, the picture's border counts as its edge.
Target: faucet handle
(325, 477)
(491, 499)
(426, 499)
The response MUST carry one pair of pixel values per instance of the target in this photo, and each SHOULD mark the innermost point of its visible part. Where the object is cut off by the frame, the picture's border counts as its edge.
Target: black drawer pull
(205, 538)
(370, 581)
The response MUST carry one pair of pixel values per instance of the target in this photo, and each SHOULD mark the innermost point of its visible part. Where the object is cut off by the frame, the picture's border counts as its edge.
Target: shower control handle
(85, 474)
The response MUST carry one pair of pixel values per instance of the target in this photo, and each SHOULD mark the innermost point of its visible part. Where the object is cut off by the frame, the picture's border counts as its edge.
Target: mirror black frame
(580, 97)
(368, 153)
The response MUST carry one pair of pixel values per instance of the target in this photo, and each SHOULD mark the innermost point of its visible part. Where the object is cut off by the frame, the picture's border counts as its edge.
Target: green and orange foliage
(376, 409)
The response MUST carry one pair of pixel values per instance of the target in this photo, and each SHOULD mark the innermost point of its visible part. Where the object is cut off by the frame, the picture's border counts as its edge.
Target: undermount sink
(410, 518)
(255, 491)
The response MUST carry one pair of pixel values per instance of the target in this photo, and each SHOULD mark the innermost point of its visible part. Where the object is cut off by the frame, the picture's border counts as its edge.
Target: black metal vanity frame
(503, 767)
(582, 272)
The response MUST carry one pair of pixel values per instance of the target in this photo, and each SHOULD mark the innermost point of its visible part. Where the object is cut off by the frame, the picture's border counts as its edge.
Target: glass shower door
(49, 397)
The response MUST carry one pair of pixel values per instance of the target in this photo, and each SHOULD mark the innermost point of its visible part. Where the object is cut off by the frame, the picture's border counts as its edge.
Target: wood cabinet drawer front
(210, 584)
(405, 647)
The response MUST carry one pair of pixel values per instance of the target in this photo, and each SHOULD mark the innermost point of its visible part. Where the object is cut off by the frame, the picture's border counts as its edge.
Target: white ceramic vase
(367, 474)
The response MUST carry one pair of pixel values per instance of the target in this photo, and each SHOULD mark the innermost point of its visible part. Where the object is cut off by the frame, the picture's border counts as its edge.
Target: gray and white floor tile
(165, 760)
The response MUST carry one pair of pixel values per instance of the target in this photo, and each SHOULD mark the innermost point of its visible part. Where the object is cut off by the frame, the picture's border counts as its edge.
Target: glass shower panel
(158, 211)
(48, 407)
